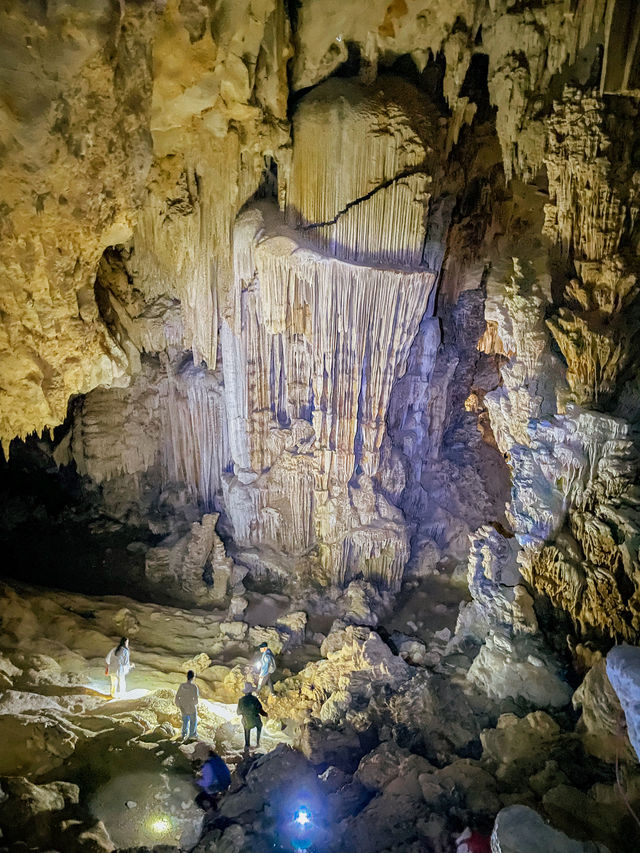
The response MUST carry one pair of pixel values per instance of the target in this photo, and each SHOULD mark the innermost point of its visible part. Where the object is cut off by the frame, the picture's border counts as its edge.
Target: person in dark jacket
(250, 709)
(214, 779)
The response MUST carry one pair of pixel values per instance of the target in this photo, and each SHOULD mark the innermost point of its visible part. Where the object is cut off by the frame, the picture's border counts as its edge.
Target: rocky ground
(379, 728)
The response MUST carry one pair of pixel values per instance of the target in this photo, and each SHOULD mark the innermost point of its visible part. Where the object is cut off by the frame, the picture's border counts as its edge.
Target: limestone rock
(275, 639)
(293, 625)
(376, 155)
(8, 671)
(29, 811)
(327, 746)
(93, 839)
(519, 669)
(94, 127)
(35, 744)
(519, 828)
(428, 714)
(517, 748)
(600, 724)
(623, 670)
(475, 789)
(194, 569)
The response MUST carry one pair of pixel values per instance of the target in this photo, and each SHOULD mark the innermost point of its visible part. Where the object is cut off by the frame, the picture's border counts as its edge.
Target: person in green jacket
(250, 709)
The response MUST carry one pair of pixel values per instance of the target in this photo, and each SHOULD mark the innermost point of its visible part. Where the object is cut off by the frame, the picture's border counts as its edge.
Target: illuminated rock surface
(309, 312)
(519, 828)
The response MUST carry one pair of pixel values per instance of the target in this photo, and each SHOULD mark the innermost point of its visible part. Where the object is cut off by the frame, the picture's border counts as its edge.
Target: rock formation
(309, 310)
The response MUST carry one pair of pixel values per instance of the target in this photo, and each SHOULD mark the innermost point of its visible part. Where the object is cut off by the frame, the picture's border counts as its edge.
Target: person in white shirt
(187, 701)
(118, 667)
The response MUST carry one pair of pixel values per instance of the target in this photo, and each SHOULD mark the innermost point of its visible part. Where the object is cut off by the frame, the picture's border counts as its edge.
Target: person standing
(267, 668)
(187, 698)
(250, 709)
(118, 667)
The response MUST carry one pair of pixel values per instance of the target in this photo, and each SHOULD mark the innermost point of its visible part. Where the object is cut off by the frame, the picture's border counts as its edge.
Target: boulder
(294, 626)
(78, 838)
(335, 747)
(429, 714)
(34, 743)
(282, 778)
(234, 630)
(388, 762)
(30, 812)
(336, 706)
(517, 668)
(606, 820)
(463, 784)
(200, 663)
(410, 649)
(623, 669)
(601, 723)
(519, 747)
(518, 829)
(274, 638)
(8, 672)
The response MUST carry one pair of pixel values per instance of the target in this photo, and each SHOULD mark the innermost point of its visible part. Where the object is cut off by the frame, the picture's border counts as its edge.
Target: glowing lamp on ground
(159, 825)
(302, 816)
(302, 830)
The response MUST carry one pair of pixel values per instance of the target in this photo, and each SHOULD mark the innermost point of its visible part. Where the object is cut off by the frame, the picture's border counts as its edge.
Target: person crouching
(187, 697)
(214, 779)
(250, 709)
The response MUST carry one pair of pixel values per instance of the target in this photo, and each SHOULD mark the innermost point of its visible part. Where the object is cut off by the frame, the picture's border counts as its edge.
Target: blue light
(302, 816)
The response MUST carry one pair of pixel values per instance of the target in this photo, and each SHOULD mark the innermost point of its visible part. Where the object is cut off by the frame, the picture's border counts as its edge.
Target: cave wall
(345, 273)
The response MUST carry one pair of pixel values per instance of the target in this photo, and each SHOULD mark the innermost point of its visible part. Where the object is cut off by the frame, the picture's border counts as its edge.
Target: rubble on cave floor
(380, 734)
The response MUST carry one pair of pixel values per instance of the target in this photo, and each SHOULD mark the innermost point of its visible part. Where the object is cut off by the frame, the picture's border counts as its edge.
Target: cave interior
(319, 328)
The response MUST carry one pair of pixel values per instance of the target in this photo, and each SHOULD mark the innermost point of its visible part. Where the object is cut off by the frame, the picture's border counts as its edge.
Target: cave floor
(406, 681)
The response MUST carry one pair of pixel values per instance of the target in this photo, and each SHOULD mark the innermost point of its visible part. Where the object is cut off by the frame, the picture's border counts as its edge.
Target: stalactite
(196, 449)
(316, 331)
(169, 417)
(363, 170)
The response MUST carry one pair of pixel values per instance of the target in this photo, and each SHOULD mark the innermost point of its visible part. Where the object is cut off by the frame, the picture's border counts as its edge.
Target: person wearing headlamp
(266, 667)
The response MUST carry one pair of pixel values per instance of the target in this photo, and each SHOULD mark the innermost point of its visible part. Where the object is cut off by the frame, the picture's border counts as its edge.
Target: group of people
(118, 666)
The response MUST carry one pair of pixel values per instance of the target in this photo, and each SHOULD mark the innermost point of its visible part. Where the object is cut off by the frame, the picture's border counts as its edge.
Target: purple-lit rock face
(623, 669)
(318, 327)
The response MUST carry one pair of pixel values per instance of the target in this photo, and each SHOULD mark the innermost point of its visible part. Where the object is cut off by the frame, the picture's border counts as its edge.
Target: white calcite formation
(574, 504)
(288, 438)
(309, 381)
(364, 166)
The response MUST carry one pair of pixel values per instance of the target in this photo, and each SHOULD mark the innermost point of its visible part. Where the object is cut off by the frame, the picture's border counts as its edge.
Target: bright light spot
(302, 816)
(220, 709)
(99, 687)
(159, 825)
(338, 38)
(136, 694)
